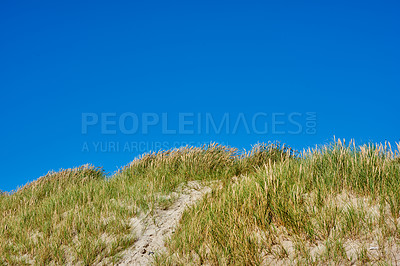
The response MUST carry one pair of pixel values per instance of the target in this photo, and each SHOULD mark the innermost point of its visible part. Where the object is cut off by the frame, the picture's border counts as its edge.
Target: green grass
(78, 215)
(327, 205)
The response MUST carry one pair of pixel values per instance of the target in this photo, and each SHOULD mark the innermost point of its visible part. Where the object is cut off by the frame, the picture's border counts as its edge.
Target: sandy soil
(153, 230)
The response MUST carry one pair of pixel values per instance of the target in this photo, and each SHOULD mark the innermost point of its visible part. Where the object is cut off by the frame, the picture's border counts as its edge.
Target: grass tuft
(333, 204)
(307, 209)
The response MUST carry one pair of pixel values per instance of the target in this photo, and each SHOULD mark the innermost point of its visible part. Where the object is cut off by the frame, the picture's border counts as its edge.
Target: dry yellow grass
(80, 216)
(338, 204)
(332, 204)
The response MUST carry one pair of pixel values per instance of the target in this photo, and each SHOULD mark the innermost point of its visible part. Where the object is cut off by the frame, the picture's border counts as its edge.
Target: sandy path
(152, 231)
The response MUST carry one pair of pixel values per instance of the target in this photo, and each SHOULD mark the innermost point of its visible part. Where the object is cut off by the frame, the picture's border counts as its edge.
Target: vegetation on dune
(337, 204)
(60, 217)
(79, 215)
(270, 205)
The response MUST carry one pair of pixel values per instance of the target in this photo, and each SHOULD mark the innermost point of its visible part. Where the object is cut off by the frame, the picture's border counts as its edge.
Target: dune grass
(338, 203)
(80, 216)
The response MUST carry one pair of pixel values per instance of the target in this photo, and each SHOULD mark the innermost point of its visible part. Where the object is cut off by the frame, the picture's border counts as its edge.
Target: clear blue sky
(59, 60)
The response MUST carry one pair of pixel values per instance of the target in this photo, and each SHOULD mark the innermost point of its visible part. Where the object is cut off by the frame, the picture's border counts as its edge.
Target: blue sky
(338, 60)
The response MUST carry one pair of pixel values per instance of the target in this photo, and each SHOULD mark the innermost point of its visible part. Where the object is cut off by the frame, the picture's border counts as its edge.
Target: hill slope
(336, 204)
